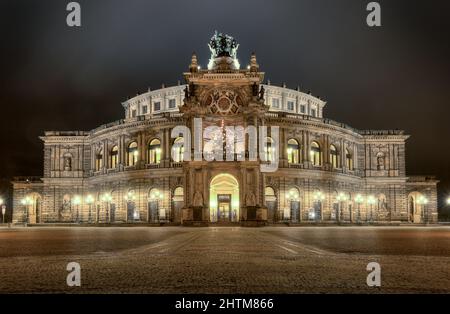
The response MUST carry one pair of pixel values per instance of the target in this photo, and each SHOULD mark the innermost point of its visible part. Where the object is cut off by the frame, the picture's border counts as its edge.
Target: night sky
(54, 77)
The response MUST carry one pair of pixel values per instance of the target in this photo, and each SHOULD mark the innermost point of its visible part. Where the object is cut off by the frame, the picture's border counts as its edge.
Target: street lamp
(359, 199)
(107, 198)
(371, 200)
(448, 201)
(90, 201)
(341, 198)
(77, 202)
(27, 201)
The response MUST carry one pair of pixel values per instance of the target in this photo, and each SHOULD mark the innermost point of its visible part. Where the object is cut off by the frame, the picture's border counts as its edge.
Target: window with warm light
(334, 156)
(316, 154)
(178, 149)
(99, 161)
(154, 152)
(133, 154)
(269, 149)
(293, 151)
(348, 159)
(114, 157)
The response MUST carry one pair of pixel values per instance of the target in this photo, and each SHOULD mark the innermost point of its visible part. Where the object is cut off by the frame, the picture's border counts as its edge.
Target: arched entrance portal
(224, 199)
(415, 207)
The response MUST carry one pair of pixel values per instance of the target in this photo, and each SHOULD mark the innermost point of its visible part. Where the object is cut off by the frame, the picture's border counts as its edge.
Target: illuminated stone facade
(123, 172)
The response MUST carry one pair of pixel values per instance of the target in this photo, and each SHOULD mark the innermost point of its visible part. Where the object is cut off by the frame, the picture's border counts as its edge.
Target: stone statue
(222, 45)
(67, 163)
(186, 93)
(198, 199)
(261, 93)
(380, 162)
(250, 199)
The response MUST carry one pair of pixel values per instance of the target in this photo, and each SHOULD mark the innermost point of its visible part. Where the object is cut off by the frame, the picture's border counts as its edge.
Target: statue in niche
(198, 199)
(382, 203)
(380, 161)
(67, 204)
(67, 163)
(250, 199)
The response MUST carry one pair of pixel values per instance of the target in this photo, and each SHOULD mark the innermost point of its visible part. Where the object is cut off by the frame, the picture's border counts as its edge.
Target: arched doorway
(154, 198)
(33, 205)
(271, 203)
(177, 204)
(224, 199)
(132, 211)
(415, 207)
(293, 197)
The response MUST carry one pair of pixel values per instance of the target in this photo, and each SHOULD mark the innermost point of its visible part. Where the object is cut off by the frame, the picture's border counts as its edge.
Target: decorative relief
(223, 102)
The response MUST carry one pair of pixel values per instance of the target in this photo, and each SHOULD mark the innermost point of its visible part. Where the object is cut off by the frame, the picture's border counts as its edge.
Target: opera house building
(161, 164)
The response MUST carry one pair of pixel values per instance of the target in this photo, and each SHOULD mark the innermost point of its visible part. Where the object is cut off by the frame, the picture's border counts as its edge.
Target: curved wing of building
(225, 148)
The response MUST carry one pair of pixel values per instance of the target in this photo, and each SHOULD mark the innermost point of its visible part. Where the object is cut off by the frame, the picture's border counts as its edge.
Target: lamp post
(27, 201)
(341, 198)
(77, 202)
(371, 201)
(90, 201)
(107, 198)
(359, 199)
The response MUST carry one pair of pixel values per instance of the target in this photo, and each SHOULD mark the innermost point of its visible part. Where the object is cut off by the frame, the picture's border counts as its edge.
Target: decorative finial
(194, 64)
(254, 67)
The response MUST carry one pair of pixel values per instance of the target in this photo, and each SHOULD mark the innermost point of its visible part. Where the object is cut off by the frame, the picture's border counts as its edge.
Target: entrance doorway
(224, 199)
(224, 210)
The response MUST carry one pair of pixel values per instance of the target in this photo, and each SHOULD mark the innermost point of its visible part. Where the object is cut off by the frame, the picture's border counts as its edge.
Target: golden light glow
(26, 201)
(341, 197)
(89, 199)
(318, 196)
(422, 200)
(77, 200)
(106, 198)
(359, 199)
(371, 199)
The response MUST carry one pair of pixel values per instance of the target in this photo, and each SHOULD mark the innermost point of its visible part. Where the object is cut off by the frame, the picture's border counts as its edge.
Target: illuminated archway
(224, 199)
(417, 203)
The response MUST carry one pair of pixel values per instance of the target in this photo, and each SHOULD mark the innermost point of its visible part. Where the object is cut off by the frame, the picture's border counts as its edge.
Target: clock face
(223, 102)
